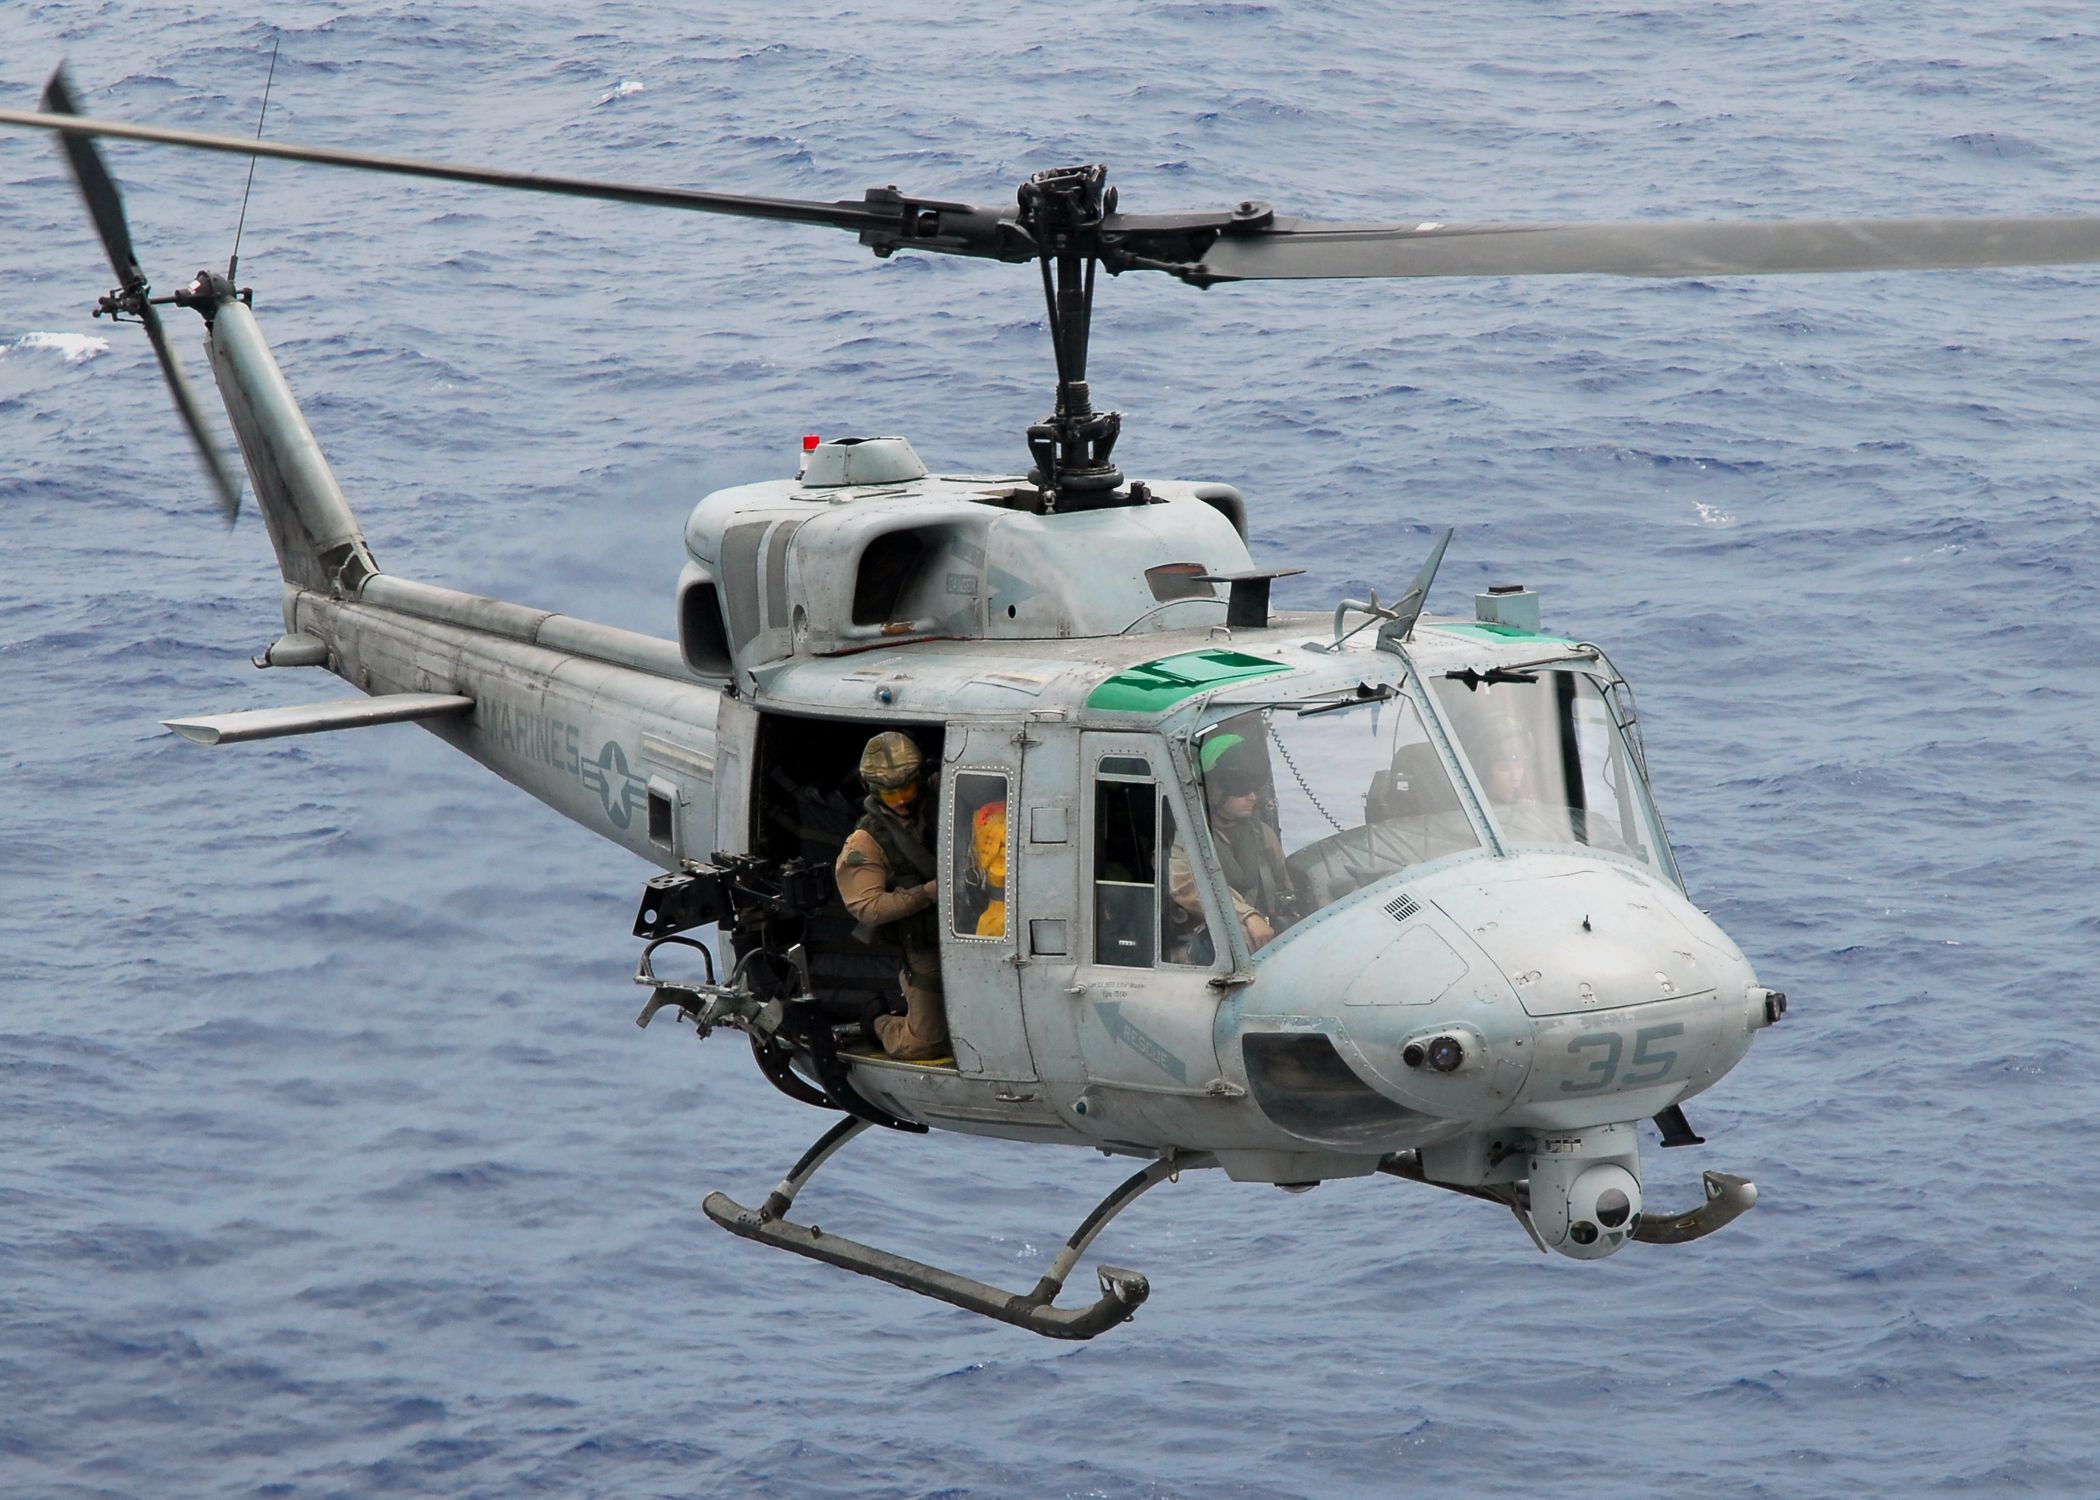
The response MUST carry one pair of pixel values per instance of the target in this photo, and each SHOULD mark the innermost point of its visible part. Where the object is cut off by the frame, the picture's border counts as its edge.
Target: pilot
(1519, 795)
(1508, 774)
(886, 877)
(1249, 849)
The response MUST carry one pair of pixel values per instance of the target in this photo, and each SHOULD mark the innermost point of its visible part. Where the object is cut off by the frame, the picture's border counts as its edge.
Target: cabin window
(982, 846)
(660, 814)
(1126, 858)
(1172, 581)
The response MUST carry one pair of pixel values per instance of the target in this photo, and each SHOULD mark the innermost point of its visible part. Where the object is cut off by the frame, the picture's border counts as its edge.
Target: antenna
(1394, 633)
(233, 261)
(1396, 622)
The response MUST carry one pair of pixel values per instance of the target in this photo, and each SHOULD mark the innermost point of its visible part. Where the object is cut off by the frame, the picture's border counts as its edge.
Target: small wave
(78, 348)
(1992, 143)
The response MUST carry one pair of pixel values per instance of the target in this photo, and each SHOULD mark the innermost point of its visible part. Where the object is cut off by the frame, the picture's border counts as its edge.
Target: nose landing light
(1444, 1054)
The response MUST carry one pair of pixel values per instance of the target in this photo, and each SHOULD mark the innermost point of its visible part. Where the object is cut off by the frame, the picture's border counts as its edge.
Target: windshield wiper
(1366, 692)
(1473, 679)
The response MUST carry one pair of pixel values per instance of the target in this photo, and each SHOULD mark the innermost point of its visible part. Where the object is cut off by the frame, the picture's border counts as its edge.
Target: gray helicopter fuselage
(1072, 667)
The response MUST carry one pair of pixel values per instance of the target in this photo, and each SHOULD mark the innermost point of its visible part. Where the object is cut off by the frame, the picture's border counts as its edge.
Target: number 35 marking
(1651, 1064)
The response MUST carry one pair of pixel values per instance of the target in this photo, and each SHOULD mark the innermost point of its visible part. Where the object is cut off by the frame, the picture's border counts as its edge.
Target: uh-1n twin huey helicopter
(1476, 967)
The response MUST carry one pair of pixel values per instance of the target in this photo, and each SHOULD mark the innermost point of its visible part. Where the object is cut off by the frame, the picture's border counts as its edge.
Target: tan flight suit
(1251, 856)
(885, 890)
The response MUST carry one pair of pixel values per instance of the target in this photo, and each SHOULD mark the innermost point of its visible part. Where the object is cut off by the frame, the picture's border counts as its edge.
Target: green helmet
(891, 760)
(1232, 766)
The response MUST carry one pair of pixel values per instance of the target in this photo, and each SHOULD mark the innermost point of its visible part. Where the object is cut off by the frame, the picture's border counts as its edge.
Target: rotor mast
(1062, 210)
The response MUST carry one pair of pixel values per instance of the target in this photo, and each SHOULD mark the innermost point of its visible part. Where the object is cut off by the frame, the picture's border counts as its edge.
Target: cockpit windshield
(1551, 760)
(1306, 807)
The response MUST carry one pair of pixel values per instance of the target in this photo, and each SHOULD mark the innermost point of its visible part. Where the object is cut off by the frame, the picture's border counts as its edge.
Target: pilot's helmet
(1232, 766)
(891, 762)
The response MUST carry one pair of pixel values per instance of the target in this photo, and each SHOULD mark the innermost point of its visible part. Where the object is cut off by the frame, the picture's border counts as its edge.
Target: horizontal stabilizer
(314, 718)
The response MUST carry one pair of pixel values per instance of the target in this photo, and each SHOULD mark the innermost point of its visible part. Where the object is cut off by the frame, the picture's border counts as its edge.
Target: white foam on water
(78, 348)
(627, 86)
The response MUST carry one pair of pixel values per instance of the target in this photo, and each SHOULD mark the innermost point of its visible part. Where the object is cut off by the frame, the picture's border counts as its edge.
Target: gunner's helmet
(891, 761)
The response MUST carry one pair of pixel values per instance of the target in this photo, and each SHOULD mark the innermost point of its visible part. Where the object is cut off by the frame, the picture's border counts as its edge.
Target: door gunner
(886, 877)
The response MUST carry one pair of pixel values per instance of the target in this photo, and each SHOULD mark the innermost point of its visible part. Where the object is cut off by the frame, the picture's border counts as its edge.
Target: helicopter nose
(1636, 999)
(1575, 935)
(1540, 991)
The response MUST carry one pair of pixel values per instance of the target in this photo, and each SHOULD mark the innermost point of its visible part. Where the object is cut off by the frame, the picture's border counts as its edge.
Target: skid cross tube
(1121, 1291)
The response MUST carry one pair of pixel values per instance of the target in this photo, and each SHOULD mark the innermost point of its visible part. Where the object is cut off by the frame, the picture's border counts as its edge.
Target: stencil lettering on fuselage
(557, 743)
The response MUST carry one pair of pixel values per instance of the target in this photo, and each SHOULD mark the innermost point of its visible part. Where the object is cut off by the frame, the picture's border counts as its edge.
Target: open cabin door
(736, 740)
(1129, 1003)
(981, 918)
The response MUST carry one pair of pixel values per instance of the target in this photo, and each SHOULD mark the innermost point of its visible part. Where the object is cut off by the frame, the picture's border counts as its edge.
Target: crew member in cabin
(887, 879)
(988, 868)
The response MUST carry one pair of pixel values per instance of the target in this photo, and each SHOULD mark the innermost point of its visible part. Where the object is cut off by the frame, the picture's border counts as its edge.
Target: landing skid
(1121, 1291)
(1728, 1198)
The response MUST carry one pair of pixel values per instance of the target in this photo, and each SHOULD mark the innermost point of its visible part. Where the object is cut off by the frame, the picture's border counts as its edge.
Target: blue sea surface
(330, 1161)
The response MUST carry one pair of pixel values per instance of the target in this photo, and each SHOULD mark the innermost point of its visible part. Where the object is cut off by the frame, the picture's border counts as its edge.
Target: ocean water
(330, 1161)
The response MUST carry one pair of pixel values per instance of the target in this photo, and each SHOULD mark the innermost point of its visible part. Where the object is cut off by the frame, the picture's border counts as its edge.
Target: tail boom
(316, 538)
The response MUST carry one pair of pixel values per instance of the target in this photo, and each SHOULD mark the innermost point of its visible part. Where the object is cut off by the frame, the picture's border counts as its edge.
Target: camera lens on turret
(1412, 1054)
(1613, 1209)
(1445, 1054)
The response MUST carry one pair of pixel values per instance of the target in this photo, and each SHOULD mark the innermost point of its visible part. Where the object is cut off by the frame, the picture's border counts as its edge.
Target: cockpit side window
(1126, 862)
(1184, 930)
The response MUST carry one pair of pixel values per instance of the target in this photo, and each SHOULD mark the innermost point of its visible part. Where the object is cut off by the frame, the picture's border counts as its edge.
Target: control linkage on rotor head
(1062, 211)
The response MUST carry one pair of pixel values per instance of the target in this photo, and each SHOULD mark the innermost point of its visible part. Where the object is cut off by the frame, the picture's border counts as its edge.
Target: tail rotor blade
(192, 415)
(99, 191)
(97, 188)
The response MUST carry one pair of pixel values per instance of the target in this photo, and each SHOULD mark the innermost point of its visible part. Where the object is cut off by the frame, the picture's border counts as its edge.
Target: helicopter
(1484, 988)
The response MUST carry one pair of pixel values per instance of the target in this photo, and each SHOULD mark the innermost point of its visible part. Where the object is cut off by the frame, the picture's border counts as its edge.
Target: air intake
(1400, 908)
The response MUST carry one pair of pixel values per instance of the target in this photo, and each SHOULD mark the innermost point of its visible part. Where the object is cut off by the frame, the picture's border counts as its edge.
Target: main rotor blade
(1210, 247)
(99, 190)
(842, 215)
(1294, 249)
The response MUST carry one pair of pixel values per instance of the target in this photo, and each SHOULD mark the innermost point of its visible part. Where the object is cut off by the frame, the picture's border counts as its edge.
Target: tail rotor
(131, 298)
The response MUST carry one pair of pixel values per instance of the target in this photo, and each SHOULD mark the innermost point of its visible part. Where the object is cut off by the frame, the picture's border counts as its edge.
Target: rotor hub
(1062, 210)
